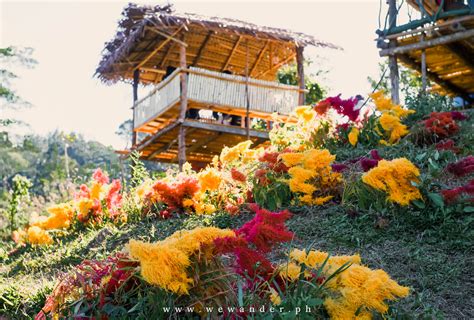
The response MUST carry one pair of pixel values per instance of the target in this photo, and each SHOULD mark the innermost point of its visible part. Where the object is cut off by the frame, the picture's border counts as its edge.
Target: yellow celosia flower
(165, 263)
(97, 190)
(395, 178)
(188, 203)
(353, 136)
(357, 290)
(229, 155)
(311, 175)
(60, 217)
(210, 179)
(305, 113)
(290, 271)
(274, 297)
(390, 120)
(83, 206)
(36, 235)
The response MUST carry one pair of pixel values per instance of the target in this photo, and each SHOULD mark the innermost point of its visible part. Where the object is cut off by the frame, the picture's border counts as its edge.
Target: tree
(289, 75)
(124, 131)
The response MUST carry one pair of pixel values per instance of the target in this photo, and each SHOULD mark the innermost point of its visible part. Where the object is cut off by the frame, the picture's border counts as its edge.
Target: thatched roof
(213, 43)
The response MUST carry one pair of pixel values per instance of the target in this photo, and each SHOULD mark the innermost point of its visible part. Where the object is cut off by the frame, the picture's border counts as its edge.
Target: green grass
(439, 270)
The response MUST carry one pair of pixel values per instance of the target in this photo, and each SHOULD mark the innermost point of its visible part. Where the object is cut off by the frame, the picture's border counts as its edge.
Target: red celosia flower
(452, 195)
(266, 229)
(174, 194)
(232, 209)
(459, 115)
(322, 107)
(84, 192)
(441, 124)
(338, 167)
(237, 175)
(462, 167)
(100, 176)
(344, 107)
(274, 162)
(375, 155)
(367, 163)
(114, 198)
(447, 145)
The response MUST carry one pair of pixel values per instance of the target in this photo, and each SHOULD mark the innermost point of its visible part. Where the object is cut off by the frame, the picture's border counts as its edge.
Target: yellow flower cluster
(391, 117)
(165, 263)
(305, 113)
(39, 236)
(355, 292)
(395, 177)
(312, 175)
(240, 152)
(60, 216)
(210, 179)
(353, 136)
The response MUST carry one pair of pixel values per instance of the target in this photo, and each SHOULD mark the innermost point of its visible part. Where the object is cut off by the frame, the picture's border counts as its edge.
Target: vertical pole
(423, 67)
(247, 94)
(183, 108)
(136, 80)
(392, 59)
(300, 70)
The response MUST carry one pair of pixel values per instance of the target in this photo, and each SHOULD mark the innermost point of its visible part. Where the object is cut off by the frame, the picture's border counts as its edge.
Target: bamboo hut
(440, 45)
(192, 64)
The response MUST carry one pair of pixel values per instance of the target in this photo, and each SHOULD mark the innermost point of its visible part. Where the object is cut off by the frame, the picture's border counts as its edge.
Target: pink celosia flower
(462, 167)
(100, 176)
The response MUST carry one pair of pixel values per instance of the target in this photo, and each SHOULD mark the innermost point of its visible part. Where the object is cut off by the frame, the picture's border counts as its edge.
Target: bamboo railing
(217, 89)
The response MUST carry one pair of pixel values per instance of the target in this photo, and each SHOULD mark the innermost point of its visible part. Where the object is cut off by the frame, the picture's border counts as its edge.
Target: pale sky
(68, 37)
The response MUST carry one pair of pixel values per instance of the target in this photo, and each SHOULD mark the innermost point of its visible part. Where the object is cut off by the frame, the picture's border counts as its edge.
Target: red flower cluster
(344, 107)
(88, 279)
(462, 167)
(263, 232)
(367, 163)
(447, 145)
(237, 175)
(100, 177)
(174, 194)
(441, 124)
(453, 195)
(273, 161)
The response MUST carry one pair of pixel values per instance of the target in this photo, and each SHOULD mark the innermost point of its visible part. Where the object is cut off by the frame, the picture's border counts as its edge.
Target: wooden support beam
(226, 64)
(392, 60)
(198, 144)
(224, 129)
(277, 66)
(167, 54)
(428, 44)
(164, 148)
(453, 89)
(183, 108)
(136, 80)
(171, 37)
(423, 68)
(201, 48)
(157, 135)
(259, 57)
(300, 70)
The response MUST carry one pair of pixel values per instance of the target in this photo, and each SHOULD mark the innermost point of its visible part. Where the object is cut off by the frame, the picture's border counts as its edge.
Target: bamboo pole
(183, 108)
(300, 70)
(392, 60)
(136, 80)
(247, 95)
(391, 51)
(423, 67)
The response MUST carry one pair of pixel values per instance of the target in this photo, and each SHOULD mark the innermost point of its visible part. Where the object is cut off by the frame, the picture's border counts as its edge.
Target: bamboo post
(423, 67)
(183, 108)
(300, 70)
(136, 80)
(392, 60)
(247, 94)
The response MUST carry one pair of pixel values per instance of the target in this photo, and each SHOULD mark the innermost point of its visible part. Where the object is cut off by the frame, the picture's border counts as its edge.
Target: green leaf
(468, 209)
(419, 204)
(437, 199)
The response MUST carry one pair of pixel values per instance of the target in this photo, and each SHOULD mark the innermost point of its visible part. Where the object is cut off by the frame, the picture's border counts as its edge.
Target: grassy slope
(426, 250)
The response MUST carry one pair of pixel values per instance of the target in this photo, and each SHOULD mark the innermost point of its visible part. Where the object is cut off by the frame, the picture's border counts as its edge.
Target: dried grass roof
(213, 43)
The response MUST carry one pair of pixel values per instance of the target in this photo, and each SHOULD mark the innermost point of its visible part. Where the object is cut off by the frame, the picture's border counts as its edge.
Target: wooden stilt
(183, 108)
(392, 60)
(136, 80)
(300, 70)
(423, 68)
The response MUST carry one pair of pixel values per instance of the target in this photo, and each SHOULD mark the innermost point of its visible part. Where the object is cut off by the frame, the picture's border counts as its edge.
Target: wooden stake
(247, 94)
(300, 69)
(136, 80)
(183, 108)
(392, 60)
